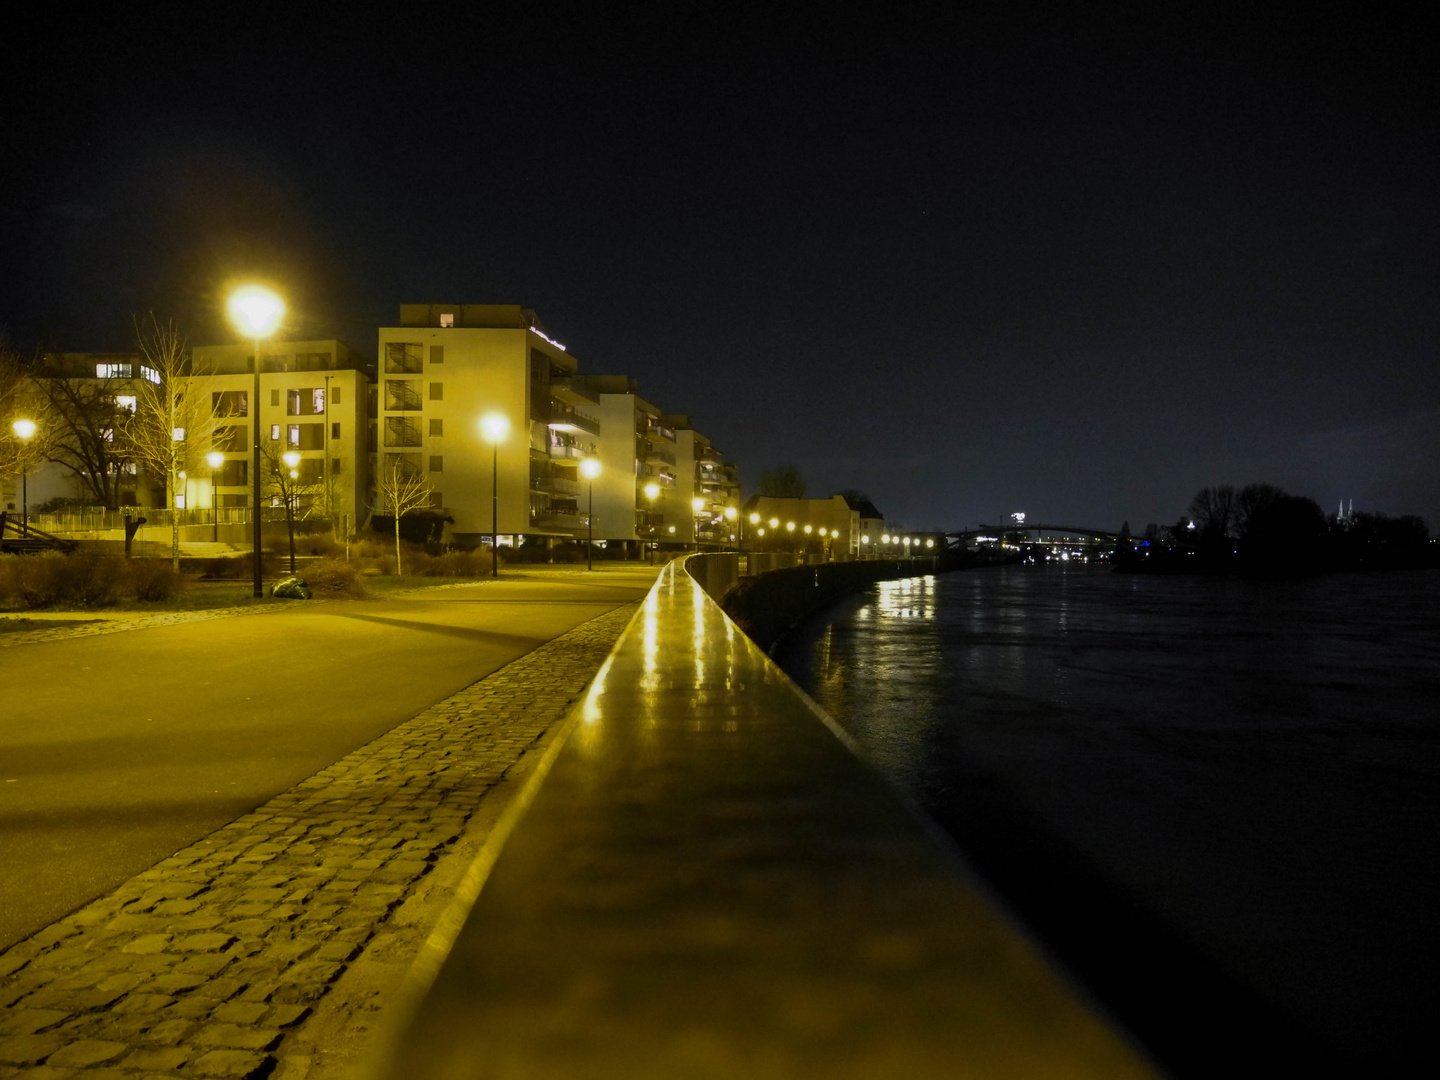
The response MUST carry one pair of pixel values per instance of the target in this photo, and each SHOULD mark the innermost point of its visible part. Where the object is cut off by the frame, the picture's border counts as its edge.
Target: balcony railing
(557, 485)
(654, 455)
(565, 418)
(566, 453)
(552, 519)
(574, 392)
(661, 433)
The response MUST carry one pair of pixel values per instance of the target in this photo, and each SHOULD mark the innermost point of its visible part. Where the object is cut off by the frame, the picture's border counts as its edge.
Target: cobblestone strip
(198, 966)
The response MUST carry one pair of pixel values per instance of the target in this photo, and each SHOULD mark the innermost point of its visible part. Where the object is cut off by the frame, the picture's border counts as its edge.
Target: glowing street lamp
(24, 431)
(255, 312)
(696, 505)
(216, 461)
(292, 466)
(652, 492)
(590, 469)
(495, 427)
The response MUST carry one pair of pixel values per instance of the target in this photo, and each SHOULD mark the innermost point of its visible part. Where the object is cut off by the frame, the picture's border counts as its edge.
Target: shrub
(153, 579)
(335, 577)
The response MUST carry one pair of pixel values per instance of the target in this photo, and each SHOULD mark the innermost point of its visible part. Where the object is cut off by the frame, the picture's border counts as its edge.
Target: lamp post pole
(25, 431)
(216, 460)
(256, 312)
(590, 469)
(494, 427)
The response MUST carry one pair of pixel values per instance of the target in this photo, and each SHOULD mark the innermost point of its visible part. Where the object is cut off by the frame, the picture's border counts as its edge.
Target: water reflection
(1250, 767)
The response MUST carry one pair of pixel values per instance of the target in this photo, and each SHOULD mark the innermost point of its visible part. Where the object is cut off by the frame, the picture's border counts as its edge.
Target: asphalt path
(118, 750)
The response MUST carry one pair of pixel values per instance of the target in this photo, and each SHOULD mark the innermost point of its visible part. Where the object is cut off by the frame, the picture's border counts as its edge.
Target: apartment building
(634, 494)
(841, 522)
(707, 488)
(314, 399)
(444, 369)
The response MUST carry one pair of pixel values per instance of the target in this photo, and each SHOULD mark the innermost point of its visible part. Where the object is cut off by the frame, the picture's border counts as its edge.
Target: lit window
(293, 434)
(150, 374)
(317, 400)
(179, 501)
(177, 434)
(126, 402)
(113, 371)
(274, 432)
(447, 320)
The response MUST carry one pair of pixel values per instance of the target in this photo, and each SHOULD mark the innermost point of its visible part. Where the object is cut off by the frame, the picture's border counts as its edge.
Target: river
(1215, 801)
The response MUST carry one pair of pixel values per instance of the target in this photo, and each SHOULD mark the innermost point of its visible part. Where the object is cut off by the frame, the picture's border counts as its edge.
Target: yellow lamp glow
(590, 468)
(774, 523)
(754, 519)
(652, 491)
(697, 505)
(495, 427)
(215, 458)
(255, 311)
(291, 458)
(24, 429)
(731, 513)
(789, 526)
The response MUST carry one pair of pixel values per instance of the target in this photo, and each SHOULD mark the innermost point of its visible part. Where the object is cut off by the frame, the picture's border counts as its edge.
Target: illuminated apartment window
(113, 371)
(437, 427)
(447, 320)
(293, 434)
(126, 402)
(177, 434)
(274, 432)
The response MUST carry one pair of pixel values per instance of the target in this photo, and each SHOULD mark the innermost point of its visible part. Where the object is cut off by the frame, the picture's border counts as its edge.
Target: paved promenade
(271, 946)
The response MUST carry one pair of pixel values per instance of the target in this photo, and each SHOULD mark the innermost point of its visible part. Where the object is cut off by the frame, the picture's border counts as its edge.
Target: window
(230, 439)
(309, 401)
(335, 467)
(335, 395)
(402, 358)
(234, 473)
(402, 431)
(126, 402)
(293, 434)
(274, 397)
(275, 362)
(179, 501)
(437, 463)
(306, 436)
(335, 430)
(177, 434)
(437, 391)
(437, 501)
(149, 374)
(274, 432)
(317, 361)
(437, 427)
(437, 353)
(230, 403)
(317, 400)
(403, 395)
(447, 320)
(113, 371)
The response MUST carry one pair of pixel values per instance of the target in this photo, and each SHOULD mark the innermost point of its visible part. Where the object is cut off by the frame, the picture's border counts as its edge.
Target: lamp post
(590, 469)
(696, 505)
(291, 460)
(24, 431)
(732, 516)
(216, 461)
(652, 492)
(495, 426)
(255, 312)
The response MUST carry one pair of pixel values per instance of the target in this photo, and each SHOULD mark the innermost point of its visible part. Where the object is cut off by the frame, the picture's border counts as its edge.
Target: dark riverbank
(1214, 799)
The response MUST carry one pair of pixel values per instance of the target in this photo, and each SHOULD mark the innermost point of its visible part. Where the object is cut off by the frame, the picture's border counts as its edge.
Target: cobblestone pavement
(217, 961)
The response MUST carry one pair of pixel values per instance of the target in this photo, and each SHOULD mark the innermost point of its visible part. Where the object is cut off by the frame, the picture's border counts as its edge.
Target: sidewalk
(272, 946)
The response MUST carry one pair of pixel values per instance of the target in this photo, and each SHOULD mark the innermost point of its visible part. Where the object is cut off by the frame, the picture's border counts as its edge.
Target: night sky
(1075, 264)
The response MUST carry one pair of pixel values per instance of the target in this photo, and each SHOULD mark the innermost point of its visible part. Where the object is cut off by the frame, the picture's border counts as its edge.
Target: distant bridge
(1061, 533)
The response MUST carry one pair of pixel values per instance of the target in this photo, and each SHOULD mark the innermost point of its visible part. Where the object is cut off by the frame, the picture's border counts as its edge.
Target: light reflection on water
(1242, 777)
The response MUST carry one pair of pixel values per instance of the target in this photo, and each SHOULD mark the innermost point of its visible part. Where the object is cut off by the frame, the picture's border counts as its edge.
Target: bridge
(701, 878)
(1062, 535)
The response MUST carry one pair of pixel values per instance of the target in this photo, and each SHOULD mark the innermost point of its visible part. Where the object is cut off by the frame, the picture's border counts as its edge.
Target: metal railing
(702, 878)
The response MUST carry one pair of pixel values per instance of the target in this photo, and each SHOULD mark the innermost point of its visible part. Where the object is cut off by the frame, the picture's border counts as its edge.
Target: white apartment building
(706, 487)
(442, 370)
(313, 401)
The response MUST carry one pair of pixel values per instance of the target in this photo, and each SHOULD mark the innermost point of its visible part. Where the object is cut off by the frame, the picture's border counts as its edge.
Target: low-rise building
(775, 516)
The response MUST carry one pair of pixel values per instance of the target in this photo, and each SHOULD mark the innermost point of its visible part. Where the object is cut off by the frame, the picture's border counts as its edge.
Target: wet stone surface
(205, 964)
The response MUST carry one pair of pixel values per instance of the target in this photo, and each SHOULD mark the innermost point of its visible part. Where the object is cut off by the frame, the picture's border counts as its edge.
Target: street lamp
(652, 492)
(590, 469)
(495, 426)
(292, 462)
(255, 312)
(732, 515)
(24, 431)
(696, 505)
(216, 460)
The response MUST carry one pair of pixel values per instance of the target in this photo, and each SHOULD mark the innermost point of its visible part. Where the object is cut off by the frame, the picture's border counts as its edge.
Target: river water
(1214, 801)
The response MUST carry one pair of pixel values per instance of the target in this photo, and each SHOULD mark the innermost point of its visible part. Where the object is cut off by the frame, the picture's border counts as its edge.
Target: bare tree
(400, 488)
(18, 401)
(1214, 511)
(782, 482)
(171, 428)
(84, 420)
(292, 485)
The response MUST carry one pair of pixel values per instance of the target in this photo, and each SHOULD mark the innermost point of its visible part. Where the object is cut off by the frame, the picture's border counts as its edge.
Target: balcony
(661, 433)
(557, 485)
(565, 418)
(566, 453)
(556, 519)
(656, 456)
(573, 392)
